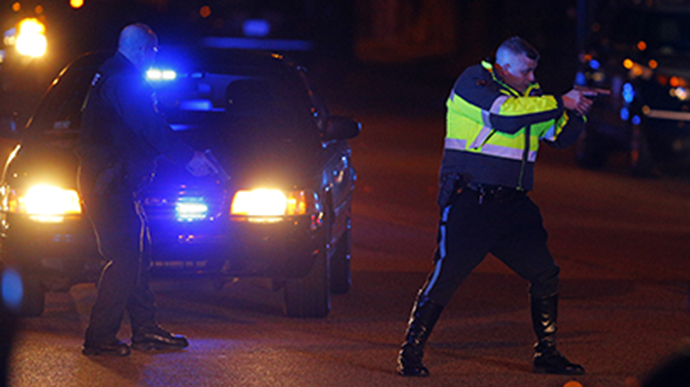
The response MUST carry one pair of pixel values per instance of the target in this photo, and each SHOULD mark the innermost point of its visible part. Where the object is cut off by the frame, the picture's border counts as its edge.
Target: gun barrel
(593, 91)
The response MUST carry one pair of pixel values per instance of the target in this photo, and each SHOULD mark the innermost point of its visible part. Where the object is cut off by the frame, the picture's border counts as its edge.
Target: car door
(338, 174)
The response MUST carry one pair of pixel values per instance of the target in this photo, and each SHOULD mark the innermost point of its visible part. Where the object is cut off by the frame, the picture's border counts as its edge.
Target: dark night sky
(480, 25)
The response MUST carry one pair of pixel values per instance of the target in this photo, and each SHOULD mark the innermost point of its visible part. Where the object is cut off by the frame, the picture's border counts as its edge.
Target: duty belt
(498, 192)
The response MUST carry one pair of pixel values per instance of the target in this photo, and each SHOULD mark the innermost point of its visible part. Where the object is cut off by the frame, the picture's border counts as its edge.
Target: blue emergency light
(190, 209)
(161, 75)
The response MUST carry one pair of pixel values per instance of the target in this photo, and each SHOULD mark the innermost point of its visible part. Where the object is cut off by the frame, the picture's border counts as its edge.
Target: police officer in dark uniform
(496, 117)
(121, 136)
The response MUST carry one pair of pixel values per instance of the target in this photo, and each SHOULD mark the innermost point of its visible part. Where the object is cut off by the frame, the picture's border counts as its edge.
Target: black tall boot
(424, 315)
(548, 360)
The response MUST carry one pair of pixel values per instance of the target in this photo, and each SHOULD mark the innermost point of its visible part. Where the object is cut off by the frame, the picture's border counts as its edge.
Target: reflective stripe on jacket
(493, 132)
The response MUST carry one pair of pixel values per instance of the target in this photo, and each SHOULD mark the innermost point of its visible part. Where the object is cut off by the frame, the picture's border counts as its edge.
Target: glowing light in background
(628, 93)
(679, 92)
(10, 37)
(628, 63)
(205, 11)
(31, 40)
(256, 28)
(594, 64)
(641, 45)
(16, 7)
(12, 289)
(76, 4)
(580, 78)
(653, 64)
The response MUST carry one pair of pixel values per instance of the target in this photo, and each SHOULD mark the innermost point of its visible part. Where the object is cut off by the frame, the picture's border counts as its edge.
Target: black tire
(310, 296)
(33, 297)
(341, 276)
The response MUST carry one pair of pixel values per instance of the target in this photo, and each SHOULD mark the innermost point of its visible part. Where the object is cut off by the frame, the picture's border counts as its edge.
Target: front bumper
(284, 248)
(57, 253)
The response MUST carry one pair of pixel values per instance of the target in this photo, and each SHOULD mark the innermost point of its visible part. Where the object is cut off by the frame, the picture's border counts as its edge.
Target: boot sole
(545, 371)
(414, 372)
(156, 347)
(98, 352)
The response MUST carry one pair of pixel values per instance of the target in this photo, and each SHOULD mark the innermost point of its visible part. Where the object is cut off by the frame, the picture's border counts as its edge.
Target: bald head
(139, 44)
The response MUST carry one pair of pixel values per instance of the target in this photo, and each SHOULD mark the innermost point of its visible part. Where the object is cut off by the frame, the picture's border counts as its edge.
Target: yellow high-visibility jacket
(493, 131)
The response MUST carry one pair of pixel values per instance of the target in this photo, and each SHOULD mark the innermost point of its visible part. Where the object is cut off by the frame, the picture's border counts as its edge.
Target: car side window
(60, 111)
(276, 106)
(319, 109)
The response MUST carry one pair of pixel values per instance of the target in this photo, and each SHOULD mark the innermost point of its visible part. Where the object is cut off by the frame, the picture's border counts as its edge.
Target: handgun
(592, 92)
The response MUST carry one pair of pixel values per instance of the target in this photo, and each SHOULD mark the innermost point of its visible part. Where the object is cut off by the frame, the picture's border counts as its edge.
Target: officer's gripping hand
(579, 101)
(199, 165)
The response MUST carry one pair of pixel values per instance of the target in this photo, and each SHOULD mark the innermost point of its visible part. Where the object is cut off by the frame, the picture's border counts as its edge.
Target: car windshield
(237, 104)
(198, 102)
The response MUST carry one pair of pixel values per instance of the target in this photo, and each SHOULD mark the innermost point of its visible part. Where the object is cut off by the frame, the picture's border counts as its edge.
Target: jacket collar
(488, 66)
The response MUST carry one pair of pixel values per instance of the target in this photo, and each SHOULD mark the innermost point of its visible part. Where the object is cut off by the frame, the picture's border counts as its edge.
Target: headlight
(268, 204)
(45, 203)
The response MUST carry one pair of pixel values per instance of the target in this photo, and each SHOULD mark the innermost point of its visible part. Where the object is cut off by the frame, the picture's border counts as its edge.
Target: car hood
(250, 162)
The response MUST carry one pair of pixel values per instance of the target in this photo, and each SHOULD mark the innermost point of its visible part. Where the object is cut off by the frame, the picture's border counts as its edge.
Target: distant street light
(31, 40)
(76, 4)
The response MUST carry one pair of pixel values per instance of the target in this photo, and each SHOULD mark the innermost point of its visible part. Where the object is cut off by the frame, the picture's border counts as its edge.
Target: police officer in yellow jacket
(496, 117)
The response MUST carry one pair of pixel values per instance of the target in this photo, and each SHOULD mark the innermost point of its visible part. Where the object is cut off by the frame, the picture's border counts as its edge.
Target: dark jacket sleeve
(131, 97)
(569, 133)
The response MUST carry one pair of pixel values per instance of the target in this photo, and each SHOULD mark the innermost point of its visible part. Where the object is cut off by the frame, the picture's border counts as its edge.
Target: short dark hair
(517, 45)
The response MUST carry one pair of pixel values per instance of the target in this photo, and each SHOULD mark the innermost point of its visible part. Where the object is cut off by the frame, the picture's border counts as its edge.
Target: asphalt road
(622, 243)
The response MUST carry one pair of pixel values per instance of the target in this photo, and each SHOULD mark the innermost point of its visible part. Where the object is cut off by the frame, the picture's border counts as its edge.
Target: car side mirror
(341, 128)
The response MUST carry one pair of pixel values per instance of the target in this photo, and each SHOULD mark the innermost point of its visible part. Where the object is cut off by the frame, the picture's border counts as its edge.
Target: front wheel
(310, 296)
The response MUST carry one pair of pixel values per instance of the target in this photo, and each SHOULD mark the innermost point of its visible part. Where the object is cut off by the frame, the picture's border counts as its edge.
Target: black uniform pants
(508, 225)
(121, 229)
